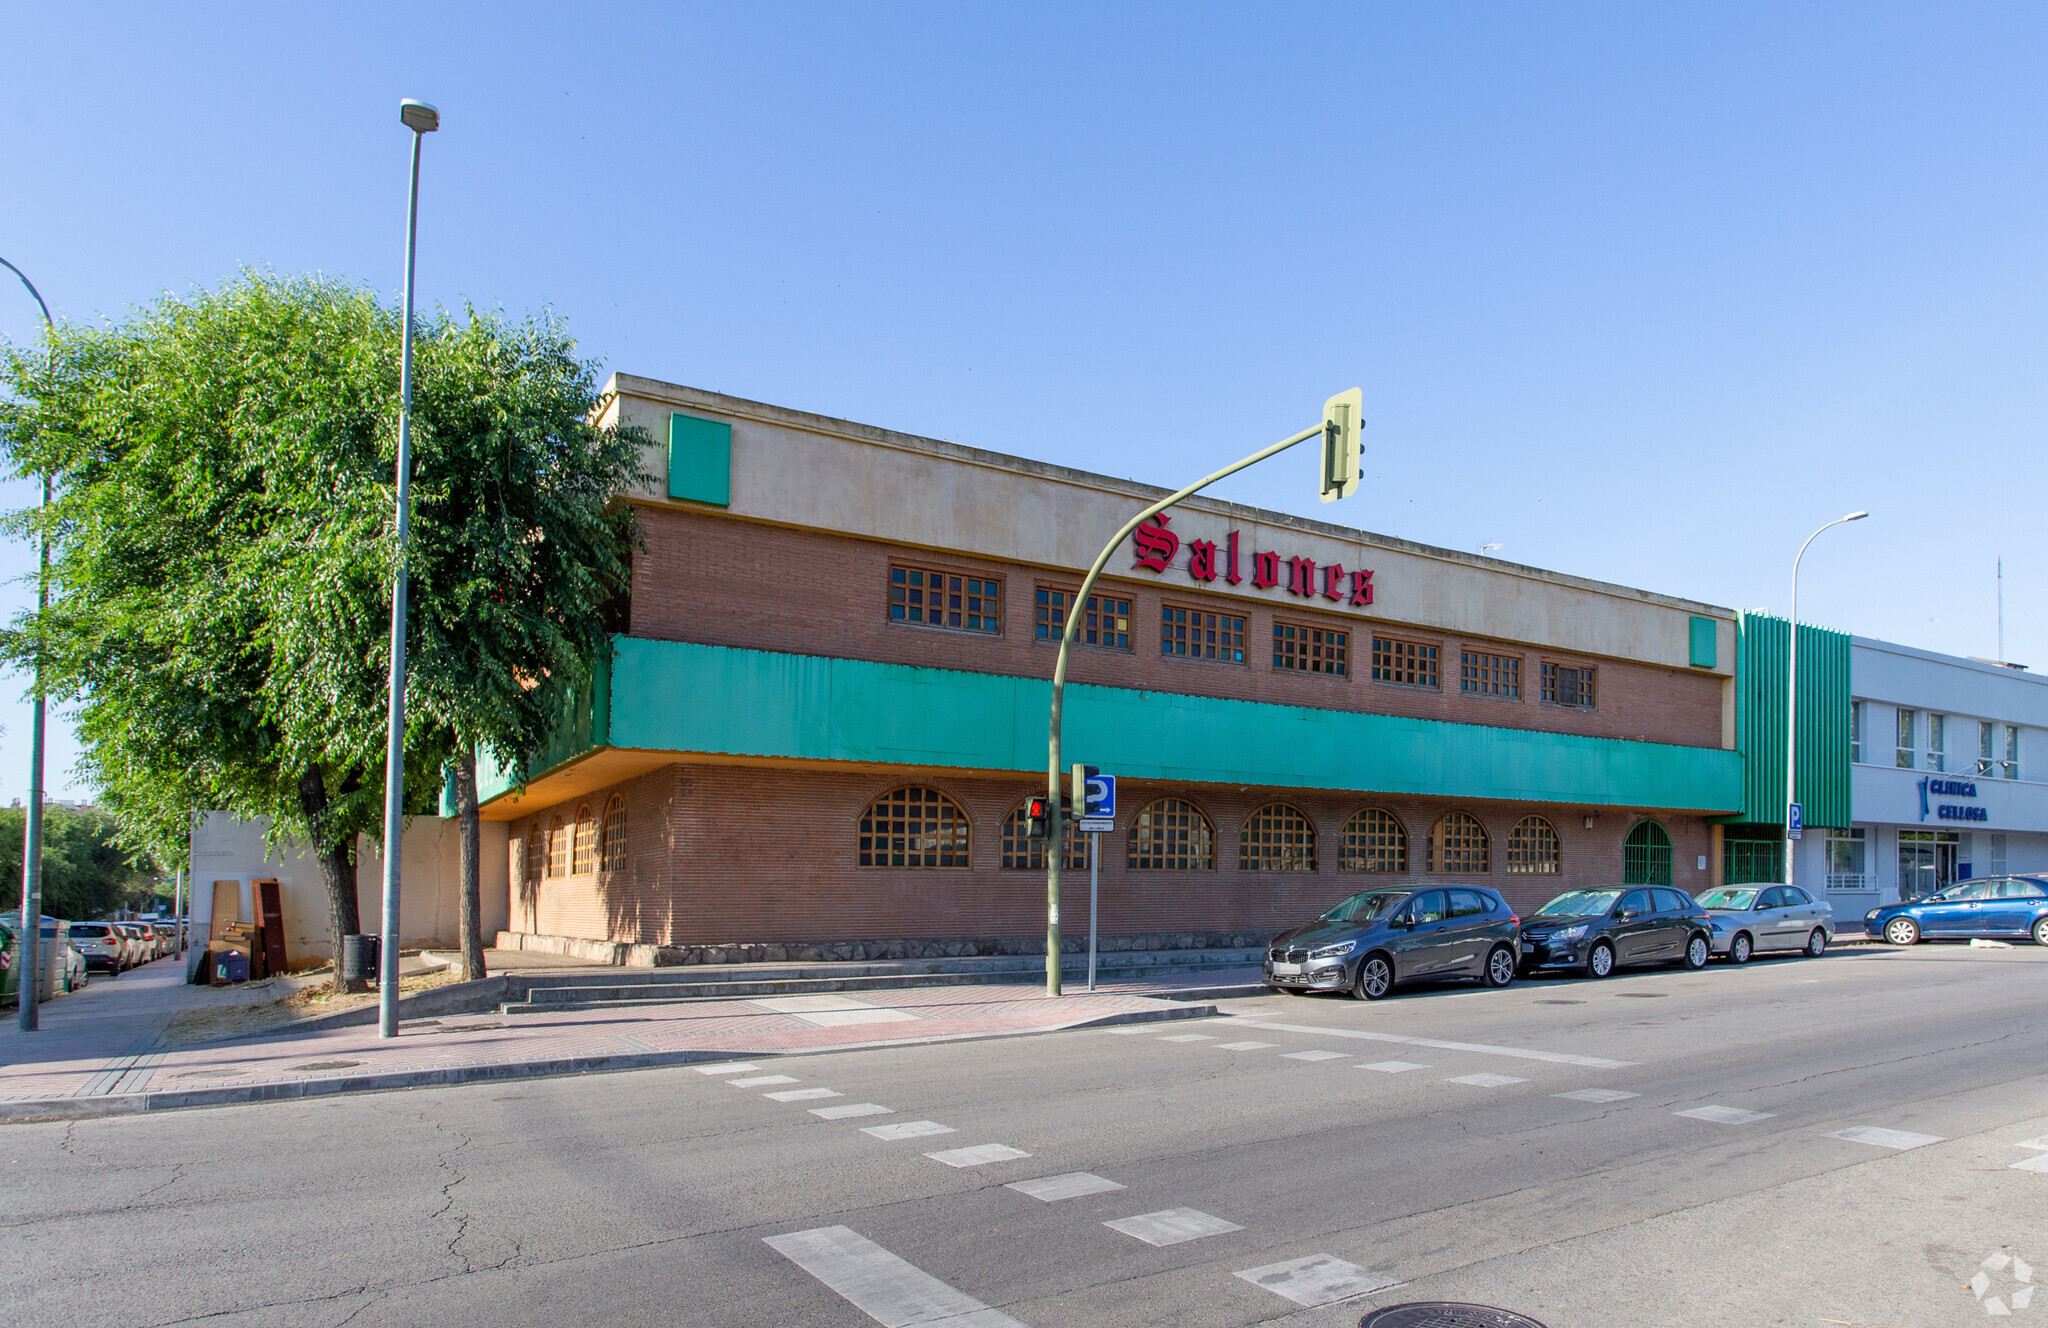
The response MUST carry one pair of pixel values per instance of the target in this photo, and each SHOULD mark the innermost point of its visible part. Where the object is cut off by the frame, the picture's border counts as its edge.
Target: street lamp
(28, 986)
(422, 119)
(1792, 696)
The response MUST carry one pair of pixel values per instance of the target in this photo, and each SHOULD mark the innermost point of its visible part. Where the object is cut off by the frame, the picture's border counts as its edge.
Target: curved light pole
(1792, 694)
(422, 119)
(28, 986)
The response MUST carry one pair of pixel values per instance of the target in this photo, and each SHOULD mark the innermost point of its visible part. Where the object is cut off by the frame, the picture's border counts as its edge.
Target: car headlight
(1569, 933)
(1336, 951)
(1872, 914)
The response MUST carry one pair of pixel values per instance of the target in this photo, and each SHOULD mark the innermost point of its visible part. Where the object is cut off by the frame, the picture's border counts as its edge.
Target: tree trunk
(337, 870)
(470, 907)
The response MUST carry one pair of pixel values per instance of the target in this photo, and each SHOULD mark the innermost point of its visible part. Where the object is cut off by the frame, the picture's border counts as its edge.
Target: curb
(456, 998)
(30, 1110)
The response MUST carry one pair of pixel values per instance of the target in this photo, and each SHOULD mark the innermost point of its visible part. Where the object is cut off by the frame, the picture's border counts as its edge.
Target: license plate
(1286, 970)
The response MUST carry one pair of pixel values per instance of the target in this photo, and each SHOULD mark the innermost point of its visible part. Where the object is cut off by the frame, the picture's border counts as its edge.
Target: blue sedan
(2006, 907)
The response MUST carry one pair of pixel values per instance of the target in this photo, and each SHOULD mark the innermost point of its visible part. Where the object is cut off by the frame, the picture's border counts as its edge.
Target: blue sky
(1637, 292)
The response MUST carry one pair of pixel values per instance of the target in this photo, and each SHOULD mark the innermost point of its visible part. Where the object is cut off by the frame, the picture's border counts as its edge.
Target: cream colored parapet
(795, 469)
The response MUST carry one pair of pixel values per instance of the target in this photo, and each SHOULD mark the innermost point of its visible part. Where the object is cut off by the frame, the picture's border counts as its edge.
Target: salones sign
(1156, 547)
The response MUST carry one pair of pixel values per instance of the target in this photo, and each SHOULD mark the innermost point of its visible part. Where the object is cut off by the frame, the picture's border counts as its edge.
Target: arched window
(612, 856)
(1023, 853)
(536, 855)
(1171, 835)
(1532, 847)
(1276, 838)
(1458, 847)
(1646, 855)
(558, 848)
(913, 827)
(583, 853)
(1373, 842)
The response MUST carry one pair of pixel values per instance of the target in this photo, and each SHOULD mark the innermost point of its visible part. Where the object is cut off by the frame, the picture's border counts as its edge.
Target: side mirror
(1404, 921)
(1624, 915)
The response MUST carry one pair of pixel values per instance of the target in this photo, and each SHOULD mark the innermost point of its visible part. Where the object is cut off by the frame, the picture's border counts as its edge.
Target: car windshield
(1726, 897)
(88, 929)
(1364, 908)
(1579, 903)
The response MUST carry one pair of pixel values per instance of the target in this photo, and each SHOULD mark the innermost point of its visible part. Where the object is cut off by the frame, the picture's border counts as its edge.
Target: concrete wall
(231, 852)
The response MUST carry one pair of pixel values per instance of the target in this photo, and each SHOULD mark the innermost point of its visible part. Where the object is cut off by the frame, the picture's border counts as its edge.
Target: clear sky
(1637, 292)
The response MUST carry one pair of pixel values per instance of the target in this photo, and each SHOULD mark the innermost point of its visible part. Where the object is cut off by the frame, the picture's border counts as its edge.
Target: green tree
(86, 869)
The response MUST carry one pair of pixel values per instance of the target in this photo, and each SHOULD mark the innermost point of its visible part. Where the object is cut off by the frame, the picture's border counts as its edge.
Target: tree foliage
(86, 871)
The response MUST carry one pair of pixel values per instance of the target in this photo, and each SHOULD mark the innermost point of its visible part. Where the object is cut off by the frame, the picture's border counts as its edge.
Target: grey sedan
(1755, 919)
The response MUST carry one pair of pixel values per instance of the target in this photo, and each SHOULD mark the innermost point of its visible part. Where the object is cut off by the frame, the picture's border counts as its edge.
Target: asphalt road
(677, 1197)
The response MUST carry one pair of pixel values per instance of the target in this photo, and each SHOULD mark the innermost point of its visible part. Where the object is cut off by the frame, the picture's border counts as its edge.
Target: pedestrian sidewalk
(109, 1056)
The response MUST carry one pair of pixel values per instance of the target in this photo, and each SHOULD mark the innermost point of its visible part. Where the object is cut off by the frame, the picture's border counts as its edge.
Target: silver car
(1755, 919)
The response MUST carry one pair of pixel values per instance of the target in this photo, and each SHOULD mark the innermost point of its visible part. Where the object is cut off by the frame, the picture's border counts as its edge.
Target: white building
(1948, 778)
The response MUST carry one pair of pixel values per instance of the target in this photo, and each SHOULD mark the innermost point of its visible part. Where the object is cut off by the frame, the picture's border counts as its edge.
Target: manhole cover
(1443, 1314)
(1643, 995)
(1557, 1002)
(310, 1066)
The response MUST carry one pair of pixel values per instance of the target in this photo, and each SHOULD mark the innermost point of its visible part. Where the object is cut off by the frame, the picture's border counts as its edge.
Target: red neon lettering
(1231, 576)
(1202, 559)
(1361, 587)
(1156, 545)
(1301, 576)
(1265, 570)
(1333, 581)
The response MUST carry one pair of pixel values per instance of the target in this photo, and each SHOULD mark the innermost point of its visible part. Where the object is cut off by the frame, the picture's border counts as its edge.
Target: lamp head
(418, 116)
(1855, 516)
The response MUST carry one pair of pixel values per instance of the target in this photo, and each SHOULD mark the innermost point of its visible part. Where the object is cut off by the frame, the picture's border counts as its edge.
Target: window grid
(1105, 622)
(1311, 649)
(1192, 634)
(1458, 845)
(583, 851)
(1937, 743)
(914, 827)
(1276, 838)
(1023, 853)
(612, 854)
(1566, 685)
(1987, 733)
(1533, 848)
(1490, 675)
(558, 848)
(1646, 856)
(1410, 663)
(1903, 752)
(1171, 835)
(536, 854)
(939, 599)
(1855, 731)
(1373, 842)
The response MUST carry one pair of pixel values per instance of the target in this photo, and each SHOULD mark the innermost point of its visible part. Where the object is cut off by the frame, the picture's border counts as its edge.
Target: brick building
(828, 703)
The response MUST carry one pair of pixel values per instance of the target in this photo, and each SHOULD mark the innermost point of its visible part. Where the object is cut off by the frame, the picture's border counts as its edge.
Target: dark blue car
(2000, 907)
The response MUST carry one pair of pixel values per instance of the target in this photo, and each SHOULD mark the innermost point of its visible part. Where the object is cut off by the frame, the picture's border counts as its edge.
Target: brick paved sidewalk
(87, 1071)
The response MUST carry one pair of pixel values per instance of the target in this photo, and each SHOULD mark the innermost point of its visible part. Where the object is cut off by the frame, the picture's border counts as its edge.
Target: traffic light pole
(1055, 822)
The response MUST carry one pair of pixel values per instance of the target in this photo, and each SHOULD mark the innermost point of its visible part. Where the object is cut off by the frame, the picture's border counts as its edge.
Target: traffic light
(1076, 801)
(1034, 815)
(1343, 451)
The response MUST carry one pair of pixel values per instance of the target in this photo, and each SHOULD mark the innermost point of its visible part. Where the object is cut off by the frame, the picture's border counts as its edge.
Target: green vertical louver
(1760, 679)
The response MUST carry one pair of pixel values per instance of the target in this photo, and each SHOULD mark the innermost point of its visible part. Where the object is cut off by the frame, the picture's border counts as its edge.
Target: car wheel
(1600, 960)
(1817, 944)
(1902, 931)
(2041, 932)
(1697, 952)
(1500, 967)
(1375, 979)
(1740, 948)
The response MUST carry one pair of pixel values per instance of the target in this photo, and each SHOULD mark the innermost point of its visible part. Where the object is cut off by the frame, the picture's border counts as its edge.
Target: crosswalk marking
(882, 1286)
(1313, 1055)
(1074, 1184)
(1726, 1115)
(1596, 1095)
(1171, 1226)
(1318, 1279)
(802, 1094)
(762, 1080)
(852, 1109)
(915, 1129)
(1243, 1046)
(1883, 1138)
(1438, 1044)
(1393, 1067)
(1487, 1080)
(2038, 1162)
(1189, 1037)
(980, 1155)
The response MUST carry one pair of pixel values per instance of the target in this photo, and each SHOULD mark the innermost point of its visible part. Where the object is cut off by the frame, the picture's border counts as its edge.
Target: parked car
(102, 947)
(76, 975)
(1597, 931)
(166, 937)
(1997, 907)
(1753, 919)
(1378, 939)
(139, 950)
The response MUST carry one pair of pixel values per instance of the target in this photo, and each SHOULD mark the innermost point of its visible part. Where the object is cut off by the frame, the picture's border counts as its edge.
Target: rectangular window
(1846, 862)
(2012, 751)
(1311, 649)
(940, 599)
(1987, 734)
(1937, 742)
(1903, 752)
(1192, 634)
(1566, 685)
(1855, 731)
(1410, 663)
(1998, 858)
(1105, 623)
(1490, 675)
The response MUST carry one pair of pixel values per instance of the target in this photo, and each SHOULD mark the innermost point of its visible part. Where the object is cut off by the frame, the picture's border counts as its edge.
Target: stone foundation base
(624, 954)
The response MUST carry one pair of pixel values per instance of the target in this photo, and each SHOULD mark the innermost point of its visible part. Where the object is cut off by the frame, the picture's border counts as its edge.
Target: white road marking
(761, 1079)
(726, 1067)
(852, 1109)
(1438, 1044)
(1393, 1067)
(1074, 1184)
(1313, 1055)
(912, 1129)
(885, 1288)
(1726, 1115)
(1319, 1279)
(1243, 1046)
(1189, 1037)
(1597, 1095)
(980, 1155)
(802, 1094)
(2038, 1162)
(1171, 1226)
(1883, 1138)
(1486, 1080)
(2040, 1143)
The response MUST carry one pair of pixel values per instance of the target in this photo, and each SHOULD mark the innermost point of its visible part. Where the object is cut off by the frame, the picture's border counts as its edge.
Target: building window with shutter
(1568, 685)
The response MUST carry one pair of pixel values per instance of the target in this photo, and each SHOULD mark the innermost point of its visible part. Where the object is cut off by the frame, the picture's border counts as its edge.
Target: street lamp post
(422, 119)
(1792, 695)
(28, 986)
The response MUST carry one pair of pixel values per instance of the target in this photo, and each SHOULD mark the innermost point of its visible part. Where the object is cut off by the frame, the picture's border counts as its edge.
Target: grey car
(1593, 932)
(1379, 938)
(1757, 919)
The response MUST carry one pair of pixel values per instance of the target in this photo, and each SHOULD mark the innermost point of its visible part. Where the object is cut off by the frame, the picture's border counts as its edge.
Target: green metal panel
(699, 460)
(584, 727)
(1762, 643)
(672, 696)
(1706, 650)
